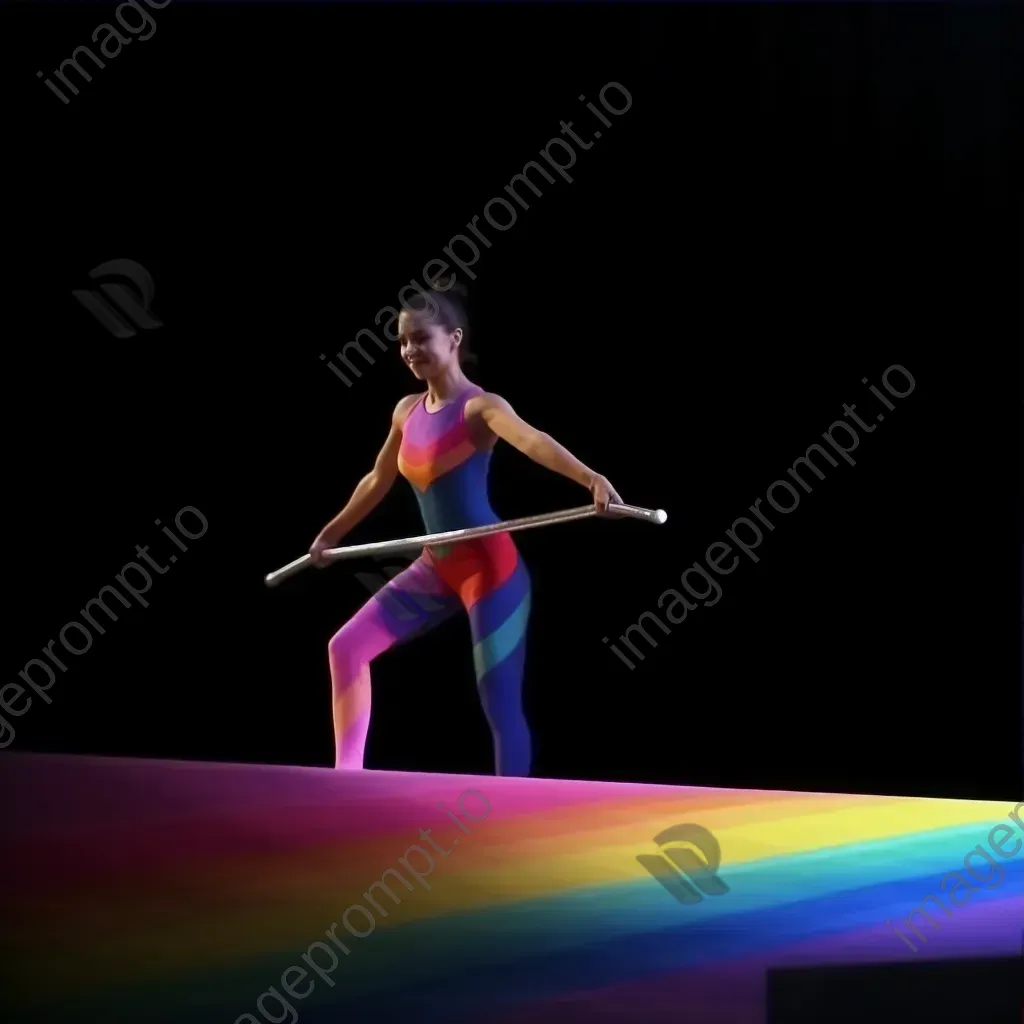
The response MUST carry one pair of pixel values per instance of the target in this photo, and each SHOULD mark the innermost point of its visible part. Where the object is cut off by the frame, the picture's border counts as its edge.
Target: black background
(798, 198)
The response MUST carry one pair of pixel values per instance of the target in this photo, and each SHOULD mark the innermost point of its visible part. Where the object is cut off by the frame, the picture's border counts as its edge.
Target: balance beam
(176, 891)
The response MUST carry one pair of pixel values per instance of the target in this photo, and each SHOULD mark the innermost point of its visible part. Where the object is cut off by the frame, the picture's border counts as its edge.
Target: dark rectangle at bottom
(981, 991)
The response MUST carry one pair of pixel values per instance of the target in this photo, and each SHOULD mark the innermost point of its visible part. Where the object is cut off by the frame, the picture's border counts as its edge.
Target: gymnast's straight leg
(416, 600)
(498, 622)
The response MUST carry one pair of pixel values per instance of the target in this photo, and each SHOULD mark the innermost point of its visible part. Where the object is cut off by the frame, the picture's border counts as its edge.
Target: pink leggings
(416, 600)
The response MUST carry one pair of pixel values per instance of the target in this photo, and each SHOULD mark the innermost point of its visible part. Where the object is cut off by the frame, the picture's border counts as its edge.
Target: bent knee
(343, 649)
(352, 648)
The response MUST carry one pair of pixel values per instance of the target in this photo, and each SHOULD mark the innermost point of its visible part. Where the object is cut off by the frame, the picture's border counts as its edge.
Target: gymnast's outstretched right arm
(370, 491)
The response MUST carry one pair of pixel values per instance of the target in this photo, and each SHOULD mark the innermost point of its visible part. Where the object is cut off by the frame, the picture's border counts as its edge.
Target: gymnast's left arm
(502, 419)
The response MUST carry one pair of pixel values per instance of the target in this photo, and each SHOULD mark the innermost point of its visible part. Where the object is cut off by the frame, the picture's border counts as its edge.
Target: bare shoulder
(403, 408)
(484, 401)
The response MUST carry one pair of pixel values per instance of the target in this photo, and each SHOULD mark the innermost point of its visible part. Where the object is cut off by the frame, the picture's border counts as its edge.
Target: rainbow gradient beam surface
(187, 892)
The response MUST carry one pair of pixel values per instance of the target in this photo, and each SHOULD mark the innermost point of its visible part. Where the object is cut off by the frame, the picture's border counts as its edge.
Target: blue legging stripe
(498, 623)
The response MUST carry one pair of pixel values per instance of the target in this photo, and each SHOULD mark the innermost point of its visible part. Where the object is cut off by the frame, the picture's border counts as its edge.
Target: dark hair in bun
(447, 308)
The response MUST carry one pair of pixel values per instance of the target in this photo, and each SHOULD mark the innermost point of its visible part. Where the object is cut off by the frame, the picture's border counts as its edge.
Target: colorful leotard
(486, 577)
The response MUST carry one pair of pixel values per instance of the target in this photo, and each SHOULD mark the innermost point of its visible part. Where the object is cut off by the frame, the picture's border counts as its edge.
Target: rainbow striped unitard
(448, 473)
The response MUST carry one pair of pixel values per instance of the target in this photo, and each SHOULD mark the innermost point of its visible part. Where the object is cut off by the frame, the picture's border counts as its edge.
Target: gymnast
(441, 441)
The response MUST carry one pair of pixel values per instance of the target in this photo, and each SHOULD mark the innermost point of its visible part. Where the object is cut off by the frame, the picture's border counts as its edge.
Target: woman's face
(426, 347)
